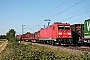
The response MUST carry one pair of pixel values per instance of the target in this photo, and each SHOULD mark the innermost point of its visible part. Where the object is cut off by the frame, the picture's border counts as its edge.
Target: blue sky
(32, 13)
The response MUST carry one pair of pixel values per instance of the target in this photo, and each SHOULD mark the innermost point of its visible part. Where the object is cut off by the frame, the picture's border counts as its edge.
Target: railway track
(71, 49)
(81, 48)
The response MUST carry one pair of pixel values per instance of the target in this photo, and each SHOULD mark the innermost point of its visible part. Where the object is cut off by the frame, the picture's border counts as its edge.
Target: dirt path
(2, 46)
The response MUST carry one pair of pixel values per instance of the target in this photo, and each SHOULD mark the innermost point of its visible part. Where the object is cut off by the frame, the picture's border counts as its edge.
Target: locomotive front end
(64, 33)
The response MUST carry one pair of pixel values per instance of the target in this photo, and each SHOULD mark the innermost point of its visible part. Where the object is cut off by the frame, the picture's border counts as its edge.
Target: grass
(0, 57)
(57, 51)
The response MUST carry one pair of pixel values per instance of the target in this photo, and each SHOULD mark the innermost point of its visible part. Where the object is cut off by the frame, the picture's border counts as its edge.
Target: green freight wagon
(87, 31)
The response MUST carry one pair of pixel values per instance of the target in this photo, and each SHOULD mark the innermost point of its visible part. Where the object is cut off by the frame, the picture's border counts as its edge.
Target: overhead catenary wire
(67, 8)
(82, 13)
(76, 15)
(54, 8)
(61, 7)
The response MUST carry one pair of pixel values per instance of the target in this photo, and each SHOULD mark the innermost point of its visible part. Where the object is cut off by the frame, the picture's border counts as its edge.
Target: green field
(27, 51)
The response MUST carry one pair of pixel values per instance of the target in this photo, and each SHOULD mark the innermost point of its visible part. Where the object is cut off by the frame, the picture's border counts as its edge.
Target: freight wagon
(36, 37)
(87, 31)
(56, 34)
(27, 37)
(18, 37)
(32, 37)
(77, 33)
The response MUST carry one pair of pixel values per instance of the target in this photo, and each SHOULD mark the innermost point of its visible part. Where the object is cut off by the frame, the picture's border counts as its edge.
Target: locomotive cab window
(67, 27)
(60, 27)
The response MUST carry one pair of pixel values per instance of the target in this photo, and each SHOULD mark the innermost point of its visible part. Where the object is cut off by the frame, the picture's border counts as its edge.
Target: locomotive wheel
(44, 42)
(59, 43)
(56, 43)
(41, 42)
(52, 43)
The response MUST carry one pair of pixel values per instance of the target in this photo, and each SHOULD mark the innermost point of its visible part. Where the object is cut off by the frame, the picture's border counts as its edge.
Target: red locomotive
(56, 34)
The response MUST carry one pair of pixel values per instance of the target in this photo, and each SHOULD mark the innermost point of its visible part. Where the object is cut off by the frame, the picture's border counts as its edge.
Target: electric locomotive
(58, 33)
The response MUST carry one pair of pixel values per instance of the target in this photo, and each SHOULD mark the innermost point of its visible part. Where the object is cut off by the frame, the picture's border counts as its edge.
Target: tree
(28, 33)
(11, 35)
(2, 37)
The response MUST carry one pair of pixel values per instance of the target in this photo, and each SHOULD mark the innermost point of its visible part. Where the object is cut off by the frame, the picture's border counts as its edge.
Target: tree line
(2, 36)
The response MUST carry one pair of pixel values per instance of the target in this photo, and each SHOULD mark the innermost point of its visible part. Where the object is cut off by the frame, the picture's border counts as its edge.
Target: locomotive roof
(58, 23)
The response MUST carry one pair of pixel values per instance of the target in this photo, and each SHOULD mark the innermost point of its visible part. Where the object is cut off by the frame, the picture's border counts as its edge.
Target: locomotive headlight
(60, 33)
(59, 36)
(69, 36)
(69, 33)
